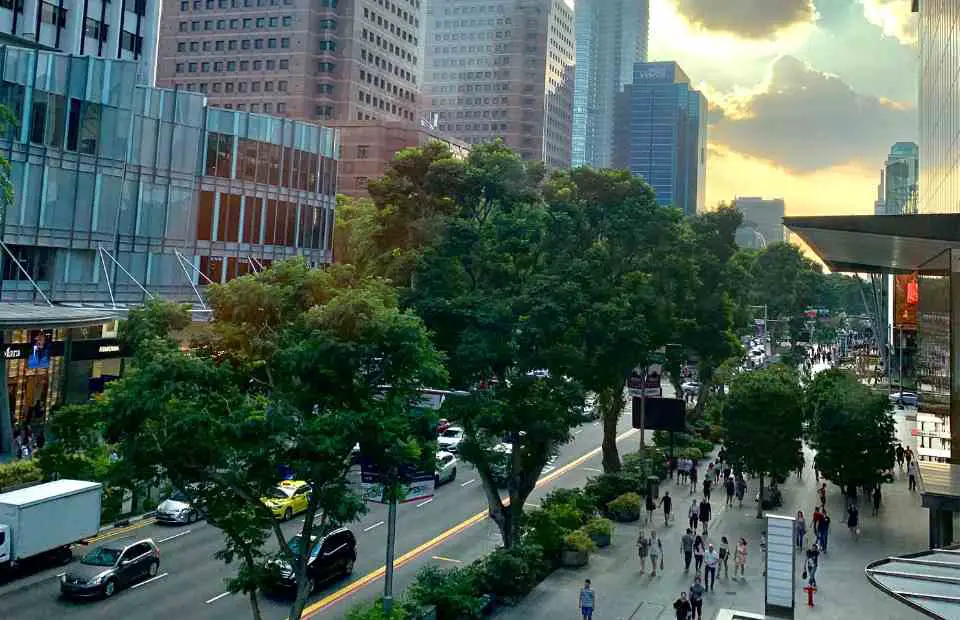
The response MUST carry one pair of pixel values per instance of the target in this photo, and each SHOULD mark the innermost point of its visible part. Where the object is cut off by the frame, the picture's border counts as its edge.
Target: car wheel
(109, 588)
(436, 480)
(288, 514)
(453, 476)
(191, 517)
(348, 566)
(153, 569)
(314, 585)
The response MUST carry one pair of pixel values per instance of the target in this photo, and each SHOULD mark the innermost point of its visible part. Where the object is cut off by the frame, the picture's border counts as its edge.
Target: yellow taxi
(287, 499)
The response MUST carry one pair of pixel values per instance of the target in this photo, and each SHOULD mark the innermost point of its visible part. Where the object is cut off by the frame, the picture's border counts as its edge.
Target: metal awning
(928, 581)
(877, 243)
(26, 315)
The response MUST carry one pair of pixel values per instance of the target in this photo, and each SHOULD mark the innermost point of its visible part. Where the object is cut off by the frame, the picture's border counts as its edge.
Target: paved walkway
(844, 591)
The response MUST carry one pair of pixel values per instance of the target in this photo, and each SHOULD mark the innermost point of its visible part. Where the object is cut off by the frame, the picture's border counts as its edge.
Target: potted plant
(625, 508)
(576, 549)
(600, 531)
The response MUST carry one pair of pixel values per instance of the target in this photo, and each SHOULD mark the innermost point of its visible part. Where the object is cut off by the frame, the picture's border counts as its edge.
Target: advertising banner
(780, 582)
(905, 301)
(415, 485)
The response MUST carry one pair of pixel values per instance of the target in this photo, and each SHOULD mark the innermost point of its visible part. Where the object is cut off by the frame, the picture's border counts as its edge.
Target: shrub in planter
(574, 498)
(509, 574)
(652, 463)
(17, 473)
(544, 529)
(402, 610)
(625, 508)
(599, 530)
(454, 593)
(704, 445)
(607, 487)
(576, 549)
(692, 453)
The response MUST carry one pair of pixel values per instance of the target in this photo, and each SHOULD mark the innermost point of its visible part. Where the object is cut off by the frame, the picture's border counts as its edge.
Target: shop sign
(100, 349)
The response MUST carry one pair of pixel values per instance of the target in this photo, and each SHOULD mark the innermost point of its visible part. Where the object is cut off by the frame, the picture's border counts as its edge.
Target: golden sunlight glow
(893, 17)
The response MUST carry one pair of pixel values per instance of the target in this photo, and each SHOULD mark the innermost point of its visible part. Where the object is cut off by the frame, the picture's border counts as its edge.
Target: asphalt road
(449, 530)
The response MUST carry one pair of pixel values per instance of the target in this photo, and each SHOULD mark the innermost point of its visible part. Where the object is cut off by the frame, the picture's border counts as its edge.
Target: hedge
(16, 473)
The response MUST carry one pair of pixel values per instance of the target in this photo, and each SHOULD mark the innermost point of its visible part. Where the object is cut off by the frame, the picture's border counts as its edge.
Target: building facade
(502, 69)
(611, 38)
(897, 193)
(368, 147)
(662, 134)
(126, 29)
(308, 59)
(762, 222)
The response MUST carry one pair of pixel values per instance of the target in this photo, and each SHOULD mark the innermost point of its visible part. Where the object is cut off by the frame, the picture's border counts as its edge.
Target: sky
(806, 96)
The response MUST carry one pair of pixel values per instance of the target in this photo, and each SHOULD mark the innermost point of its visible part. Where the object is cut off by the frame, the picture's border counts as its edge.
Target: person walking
(656, 553)
(667, 502)
(876, 500)
(811, 562)
(800, 529)
(740, 558)
(643, 550)
(912, 471)
(823, 532)
(696, 598)
(899, 452)
(705, 512)
(686, 549)
(724, 553)
(693, 514)
(853, 520)
(908, 455)
(707, 487)
(822, 494)
(588, 600)
(651, 507)
(693, 479)
(710, 561)
(699, 550)
(682, 607)
(731, 488)
(741, 490)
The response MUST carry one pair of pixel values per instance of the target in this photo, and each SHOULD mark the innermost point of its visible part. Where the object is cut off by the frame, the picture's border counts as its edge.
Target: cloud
(752, 19)
(894, 17)
(805, 120)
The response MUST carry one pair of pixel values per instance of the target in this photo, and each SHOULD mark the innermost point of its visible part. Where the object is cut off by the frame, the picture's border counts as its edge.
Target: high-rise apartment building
(125, 29)
(307, 59)
(939, 187)
(502, 69)
(897, 193)
(762, 223)
(611, 38)
(662, 134)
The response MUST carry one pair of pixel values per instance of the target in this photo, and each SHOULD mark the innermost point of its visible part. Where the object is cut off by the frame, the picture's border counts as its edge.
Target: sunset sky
(806, 96)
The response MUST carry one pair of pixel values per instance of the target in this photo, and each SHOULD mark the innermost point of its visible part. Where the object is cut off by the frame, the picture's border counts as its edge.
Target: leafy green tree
(763, 415)
(852, 429)
(355, 231)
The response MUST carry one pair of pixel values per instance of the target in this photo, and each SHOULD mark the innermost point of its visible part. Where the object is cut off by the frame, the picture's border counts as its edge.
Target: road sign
(414, 485)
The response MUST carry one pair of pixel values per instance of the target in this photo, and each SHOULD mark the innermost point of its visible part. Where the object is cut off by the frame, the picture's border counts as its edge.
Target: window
(192, 67)
(268, 86)
(254, 107)
(285, 42)
(205, 67)
(232, 65)
(234, 24)
(216, 87)
(258, 44)
(271, 64)
(287, 20)
(208, 24)
(207, 46)
(52, 14)
(194, 46)
(273, 22)
(255, 87)
(218, 67)
(325, 67)
(268, 107)
(228, 87)
(257, 65)
(180, 67)
(232, 44)
(221, 24)
(281, 108)
(284, 64)
(181, 47)
(360, 182)
(245, 44)
(272, 43)
(327, 45)
(244, 65)
(185, 5)
(183, 26)
(261, 22)
(194, 26)
(219, 46)
(328, 24)
(96, 30)
(282, 86)
(329, 4)
(247, 23)
(363, 151)
(324, 88)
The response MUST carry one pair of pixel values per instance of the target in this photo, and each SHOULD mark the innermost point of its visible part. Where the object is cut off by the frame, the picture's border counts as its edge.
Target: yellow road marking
(414, 553)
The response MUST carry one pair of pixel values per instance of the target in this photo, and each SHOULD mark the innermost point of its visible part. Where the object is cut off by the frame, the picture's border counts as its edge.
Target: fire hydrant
(810, 590)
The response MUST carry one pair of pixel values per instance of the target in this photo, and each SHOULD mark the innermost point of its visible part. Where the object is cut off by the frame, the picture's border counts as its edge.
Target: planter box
(574, 559)
(600, 540)
(625, 517)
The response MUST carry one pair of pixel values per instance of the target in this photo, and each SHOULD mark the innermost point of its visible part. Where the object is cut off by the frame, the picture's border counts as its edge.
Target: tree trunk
(611, 406)
(255, 605)
(507, 514)
(760, 501)
(300, 562)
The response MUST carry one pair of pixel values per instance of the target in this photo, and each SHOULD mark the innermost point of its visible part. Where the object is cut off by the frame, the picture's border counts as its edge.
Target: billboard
(415, 484)
(906, 298)
(41, 343)
(662, 414)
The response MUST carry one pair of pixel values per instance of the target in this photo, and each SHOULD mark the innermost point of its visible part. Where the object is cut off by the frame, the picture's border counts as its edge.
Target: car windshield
(278, 493)
(101, 556)
(180, 496)
(296, 543)
(451, 432)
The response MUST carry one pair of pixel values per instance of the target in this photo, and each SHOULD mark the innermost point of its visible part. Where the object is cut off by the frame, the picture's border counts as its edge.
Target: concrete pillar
(941, 528)
(954, 327)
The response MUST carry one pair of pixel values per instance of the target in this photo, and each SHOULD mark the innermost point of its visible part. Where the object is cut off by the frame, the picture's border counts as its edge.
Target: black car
(332, 557)
(111, 566)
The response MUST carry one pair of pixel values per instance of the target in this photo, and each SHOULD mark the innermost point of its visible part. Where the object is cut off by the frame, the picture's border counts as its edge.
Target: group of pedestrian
(25, 442)
(912, 467)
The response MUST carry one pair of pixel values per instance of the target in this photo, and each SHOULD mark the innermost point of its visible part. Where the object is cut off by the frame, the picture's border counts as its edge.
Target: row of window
(238, 4)
(219, 66)
(259, 221)
(268, 108)
(410, 18)
(272, 164)
(246, 23)
(243, 87)
(377, 61)
(231, 45)
(383, 104)
(385, 85)
(387, 46)
(387, 24)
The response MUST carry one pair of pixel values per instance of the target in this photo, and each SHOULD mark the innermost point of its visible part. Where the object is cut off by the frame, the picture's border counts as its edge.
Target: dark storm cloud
(807, 120)
(753, 19)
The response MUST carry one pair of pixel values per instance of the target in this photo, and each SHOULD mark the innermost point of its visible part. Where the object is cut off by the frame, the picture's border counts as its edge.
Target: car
(450, 439)
(591, 407)
(446, 468)
(331, 557)
(177, 510)
(355, 455)
(288, 498)
(690, 387)
(909, 399)
(111, 566)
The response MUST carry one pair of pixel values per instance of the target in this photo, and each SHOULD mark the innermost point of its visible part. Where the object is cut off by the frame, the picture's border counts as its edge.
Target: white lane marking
(143, 583)
(578, 431)
(217, 597)
(421, 504)
(593, 469)
(443, 559)
(375, 525)
(183, 533)
(470, 481)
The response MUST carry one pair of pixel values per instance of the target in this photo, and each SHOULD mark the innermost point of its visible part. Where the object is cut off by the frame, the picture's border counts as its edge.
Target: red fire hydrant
(810, 590)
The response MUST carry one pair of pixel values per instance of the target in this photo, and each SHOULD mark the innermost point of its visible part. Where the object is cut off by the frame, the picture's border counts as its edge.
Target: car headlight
(98, 579)
(63, 578)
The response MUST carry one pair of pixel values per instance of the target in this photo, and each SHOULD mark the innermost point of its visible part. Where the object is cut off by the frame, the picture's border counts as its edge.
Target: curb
(128, 521)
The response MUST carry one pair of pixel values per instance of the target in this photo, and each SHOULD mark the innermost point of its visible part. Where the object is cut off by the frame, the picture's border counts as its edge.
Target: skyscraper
(318, 59)
(126, 30)
(502, 69)
(611, 38)
(762, 221)
(897, 194)
(662, 134)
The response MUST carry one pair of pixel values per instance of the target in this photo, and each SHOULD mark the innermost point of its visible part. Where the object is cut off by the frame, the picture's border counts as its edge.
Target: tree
(852, 428)
(763, 419)
(355, 230)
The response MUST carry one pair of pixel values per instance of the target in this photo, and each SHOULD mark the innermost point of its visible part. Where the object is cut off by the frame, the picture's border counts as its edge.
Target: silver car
(177, 510)
(446, 468)
(109, 567)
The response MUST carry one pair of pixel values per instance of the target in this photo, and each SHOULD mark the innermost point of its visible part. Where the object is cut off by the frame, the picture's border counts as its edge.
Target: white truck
(45, 519)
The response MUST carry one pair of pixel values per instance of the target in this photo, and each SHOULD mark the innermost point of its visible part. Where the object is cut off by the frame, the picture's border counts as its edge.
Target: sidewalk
(844, 592)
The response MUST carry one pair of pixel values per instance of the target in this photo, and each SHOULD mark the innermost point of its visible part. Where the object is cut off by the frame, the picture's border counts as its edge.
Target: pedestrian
(707, 487)
(710, 469)
(686, 549)
(682, 471)
(800, 529)
(667, 502)
(643, 550)
(693, 514)
(682, 607)
(724, 553)
(740, 558)
(696, 598)
(730, 488)
(588, 600)
(710, 561)
(763, 552)
(717, 472)
(853, 520)
(693, 479)
(699, 550)
(912, 471)
(822, 494)
(656, 553)
(705, 513)
(900, 456)
(741, 490)
(810, 566)
(823, 531)
(651, 507)
(908, 455)
(876, 500)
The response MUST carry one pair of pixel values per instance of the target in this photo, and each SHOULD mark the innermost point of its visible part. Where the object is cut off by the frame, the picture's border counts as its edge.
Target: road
(451, 529)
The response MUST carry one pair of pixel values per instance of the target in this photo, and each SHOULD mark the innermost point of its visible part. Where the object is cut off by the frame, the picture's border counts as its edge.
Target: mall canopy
(878, 243)
(928, 581)
(41, 316)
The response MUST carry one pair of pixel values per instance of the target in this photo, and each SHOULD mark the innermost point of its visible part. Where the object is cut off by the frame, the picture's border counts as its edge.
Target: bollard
(810, 590)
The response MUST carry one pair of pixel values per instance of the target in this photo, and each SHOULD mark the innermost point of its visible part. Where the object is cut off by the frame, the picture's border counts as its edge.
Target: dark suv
(109, 567)
(331, 557)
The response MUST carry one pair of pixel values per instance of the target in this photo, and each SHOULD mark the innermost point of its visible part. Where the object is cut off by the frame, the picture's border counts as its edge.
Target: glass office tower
(611, 37)
(662, 134)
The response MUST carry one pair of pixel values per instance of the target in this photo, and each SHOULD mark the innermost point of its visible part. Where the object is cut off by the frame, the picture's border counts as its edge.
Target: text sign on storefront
(780, 579)
(100, 349)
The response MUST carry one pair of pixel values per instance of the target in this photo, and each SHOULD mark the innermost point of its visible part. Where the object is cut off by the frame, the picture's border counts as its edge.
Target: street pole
(643, 408)
(900, 364)
(391, 543)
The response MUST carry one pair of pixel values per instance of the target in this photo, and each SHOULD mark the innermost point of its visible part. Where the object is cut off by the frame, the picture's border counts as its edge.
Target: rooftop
(928, 581)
